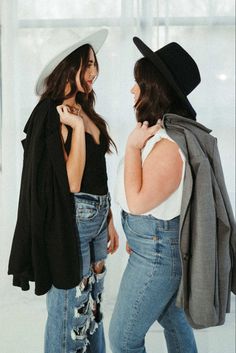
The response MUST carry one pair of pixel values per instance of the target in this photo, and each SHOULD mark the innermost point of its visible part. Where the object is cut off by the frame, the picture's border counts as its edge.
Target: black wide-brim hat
(178, 68)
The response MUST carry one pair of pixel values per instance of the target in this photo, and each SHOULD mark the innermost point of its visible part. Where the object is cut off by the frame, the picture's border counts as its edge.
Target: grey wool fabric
(207, 227)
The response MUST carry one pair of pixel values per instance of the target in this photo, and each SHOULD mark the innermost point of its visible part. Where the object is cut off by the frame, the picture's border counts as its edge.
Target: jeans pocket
(85, 212)
(138, 226)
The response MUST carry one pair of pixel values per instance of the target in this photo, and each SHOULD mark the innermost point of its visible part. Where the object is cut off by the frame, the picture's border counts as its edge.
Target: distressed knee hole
(82, 346)
(98, 316)
(79, 333)
(85, 282)
(83, 309)
(81, 350)
(93, 327)
(84, 285)
(98, 267)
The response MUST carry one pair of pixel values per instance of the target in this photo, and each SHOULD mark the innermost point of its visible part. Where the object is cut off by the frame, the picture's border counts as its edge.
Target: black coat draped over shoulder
(44, 248)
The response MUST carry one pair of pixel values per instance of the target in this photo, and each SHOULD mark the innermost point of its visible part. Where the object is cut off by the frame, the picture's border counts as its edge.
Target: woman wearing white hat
(64, 227)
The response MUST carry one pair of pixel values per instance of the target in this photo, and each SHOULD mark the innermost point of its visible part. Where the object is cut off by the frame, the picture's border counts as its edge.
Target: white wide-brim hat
(95, 39)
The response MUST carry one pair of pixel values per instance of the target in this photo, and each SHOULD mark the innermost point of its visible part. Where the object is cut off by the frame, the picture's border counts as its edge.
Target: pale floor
(22, 325)
(23, 315)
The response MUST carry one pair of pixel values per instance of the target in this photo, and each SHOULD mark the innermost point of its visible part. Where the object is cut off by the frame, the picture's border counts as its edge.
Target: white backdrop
(206, 31)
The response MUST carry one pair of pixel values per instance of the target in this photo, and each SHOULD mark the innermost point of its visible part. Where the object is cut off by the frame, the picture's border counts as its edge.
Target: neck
(73, 106)
(70, 101)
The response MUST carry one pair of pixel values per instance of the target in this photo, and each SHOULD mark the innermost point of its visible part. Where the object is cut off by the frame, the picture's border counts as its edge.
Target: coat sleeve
(222, 186)
(20, 261)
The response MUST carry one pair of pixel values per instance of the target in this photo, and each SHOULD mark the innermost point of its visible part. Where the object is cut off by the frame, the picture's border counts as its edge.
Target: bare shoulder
(163, 166)
(166, 144)
(164, 148)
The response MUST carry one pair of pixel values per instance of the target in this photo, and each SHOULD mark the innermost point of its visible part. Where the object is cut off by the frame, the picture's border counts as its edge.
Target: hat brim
(96, 40)
(156, 60)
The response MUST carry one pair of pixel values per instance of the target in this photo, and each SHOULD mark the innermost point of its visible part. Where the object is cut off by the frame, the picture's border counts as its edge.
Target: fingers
(110, 246)
(116, 244)
(62, 109)
(153, 129)
(113, 246)
(145, 124)
(150, 130)
(128, 249)
(59, 109)
(113, 243)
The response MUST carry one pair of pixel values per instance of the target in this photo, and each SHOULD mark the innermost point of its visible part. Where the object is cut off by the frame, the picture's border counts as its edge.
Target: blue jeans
(74, 323)
(148, 288)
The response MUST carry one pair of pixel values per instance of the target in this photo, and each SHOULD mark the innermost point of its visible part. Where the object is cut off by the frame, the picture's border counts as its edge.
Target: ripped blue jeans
(74, 323)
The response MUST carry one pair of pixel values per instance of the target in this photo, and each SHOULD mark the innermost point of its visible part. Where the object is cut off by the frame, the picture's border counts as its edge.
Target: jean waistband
(98, 200)
(160, 223)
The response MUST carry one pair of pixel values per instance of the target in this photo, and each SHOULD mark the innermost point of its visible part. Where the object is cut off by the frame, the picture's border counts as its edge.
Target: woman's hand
(141, 134)
(128, 249)
(67, 118)
(113, 238)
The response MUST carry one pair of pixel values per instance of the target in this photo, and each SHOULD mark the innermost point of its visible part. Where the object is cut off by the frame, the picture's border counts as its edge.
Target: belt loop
(108, 199)
(166, 225)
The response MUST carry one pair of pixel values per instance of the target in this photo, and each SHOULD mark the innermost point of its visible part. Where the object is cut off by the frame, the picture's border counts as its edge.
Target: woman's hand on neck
(70, 101)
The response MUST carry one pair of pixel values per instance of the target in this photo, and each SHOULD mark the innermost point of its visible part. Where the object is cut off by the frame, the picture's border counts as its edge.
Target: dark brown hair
(64, 73)
(156, 96)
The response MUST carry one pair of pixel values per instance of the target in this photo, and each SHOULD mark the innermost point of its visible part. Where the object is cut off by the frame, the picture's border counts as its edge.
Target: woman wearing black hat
(64, 220)
(149, 191)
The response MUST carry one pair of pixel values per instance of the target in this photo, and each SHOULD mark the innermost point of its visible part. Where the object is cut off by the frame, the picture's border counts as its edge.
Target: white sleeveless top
(169, 208)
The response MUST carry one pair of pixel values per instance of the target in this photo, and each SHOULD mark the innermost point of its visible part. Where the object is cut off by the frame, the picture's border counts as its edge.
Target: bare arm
(149, 185)
(113, 238)
(75, 161)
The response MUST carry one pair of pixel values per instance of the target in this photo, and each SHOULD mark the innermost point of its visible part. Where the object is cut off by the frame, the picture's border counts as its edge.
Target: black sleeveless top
(94, 180)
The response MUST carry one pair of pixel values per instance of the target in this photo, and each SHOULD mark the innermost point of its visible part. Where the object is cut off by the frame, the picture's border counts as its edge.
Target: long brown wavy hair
(156, 96)
(65, 73)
